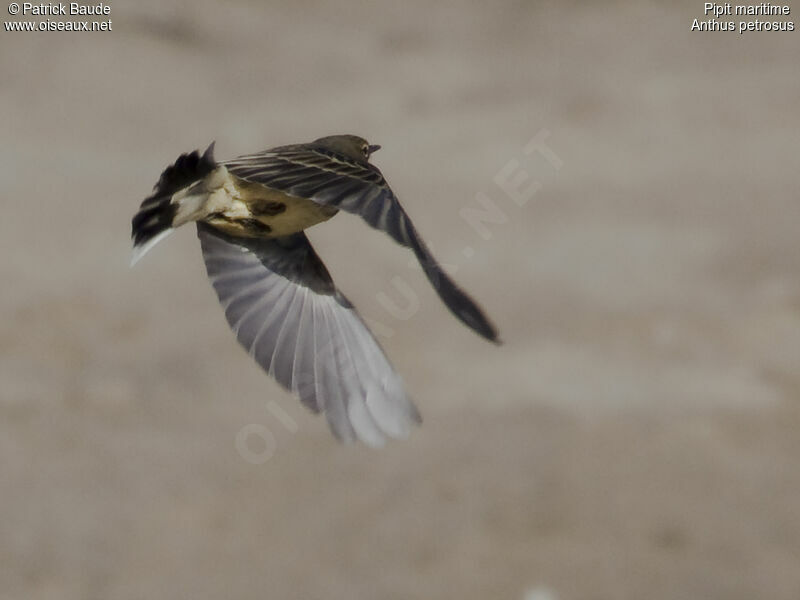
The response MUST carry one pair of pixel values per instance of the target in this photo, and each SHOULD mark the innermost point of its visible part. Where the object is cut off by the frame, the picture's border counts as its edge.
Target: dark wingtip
(489, 333)
(460, 304)
(495, 336)
(486, 330)
(465, 308)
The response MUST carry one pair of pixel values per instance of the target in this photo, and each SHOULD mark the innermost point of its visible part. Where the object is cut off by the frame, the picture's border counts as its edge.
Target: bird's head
(351, 146)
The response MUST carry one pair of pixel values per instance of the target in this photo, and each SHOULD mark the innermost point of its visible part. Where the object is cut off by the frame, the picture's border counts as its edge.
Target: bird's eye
(365, 150)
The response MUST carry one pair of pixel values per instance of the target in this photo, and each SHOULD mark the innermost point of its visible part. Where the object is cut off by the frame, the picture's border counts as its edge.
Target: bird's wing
(356, 187)
(282, 304)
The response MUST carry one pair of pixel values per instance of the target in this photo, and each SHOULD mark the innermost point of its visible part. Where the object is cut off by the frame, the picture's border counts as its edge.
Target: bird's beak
(373, 148)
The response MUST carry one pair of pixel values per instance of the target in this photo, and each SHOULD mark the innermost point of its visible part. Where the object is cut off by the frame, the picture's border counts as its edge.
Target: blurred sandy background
(635, 437)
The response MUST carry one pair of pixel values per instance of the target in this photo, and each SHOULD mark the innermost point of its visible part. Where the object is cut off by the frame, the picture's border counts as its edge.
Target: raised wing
(282, 305)
(357, 187)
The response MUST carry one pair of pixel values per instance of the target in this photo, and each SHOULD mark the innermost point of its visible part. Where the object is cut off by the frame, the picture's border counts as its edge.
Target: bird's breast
(259, 211)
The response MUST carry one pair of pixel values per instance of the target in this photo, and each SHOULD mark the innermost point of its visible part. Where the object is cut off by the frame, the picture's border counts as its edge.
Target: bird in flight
(278, 297)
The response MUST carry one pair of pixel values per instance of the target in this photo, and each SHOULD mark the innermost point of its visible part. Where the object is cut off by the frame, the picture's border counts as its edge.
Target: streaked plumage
(278, 296)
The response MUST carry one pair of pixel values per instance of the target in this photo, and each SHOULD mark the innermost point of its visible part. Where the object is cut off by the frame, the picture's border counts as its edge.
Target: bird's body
(242, 208)
(254, 210)
(277, 294)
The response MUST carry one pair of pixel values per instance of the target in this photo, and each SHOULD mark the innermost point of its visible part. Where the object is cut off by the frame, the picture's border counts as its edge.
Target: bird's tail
(162, 210)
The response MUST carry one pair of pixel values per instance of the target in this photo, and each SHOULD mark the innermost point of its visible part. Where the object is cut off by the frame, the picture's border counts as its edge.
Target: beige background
(635, 437)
